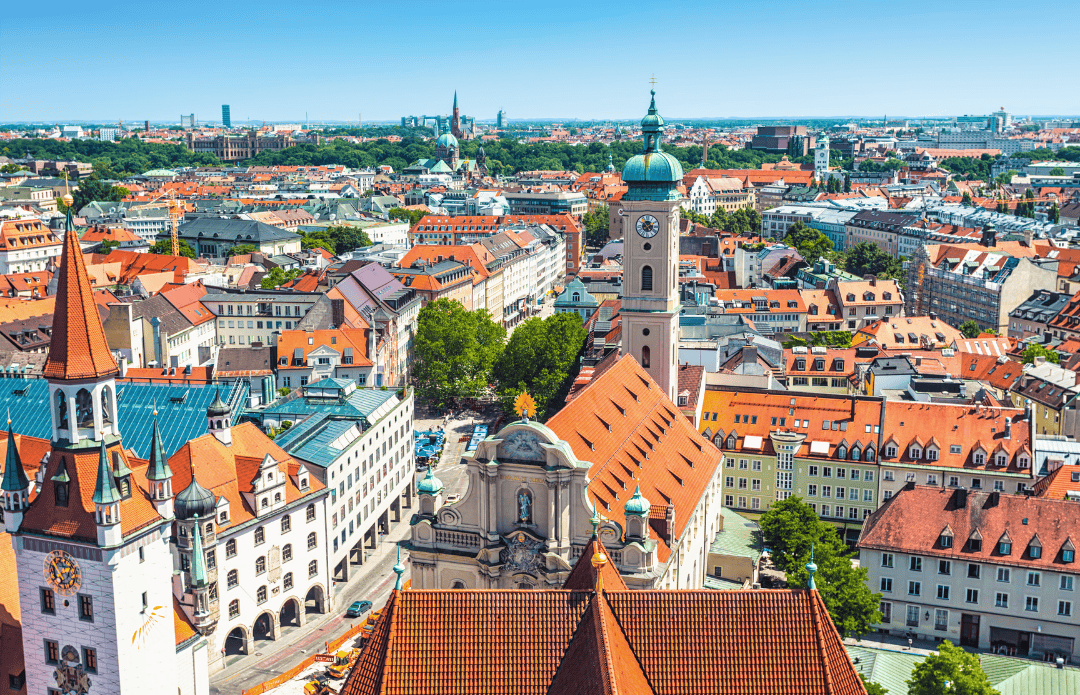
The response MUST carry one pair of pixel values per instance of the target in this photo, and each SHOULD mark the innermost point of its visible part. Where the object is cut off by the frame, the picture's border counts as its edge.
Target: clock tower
(650, 286)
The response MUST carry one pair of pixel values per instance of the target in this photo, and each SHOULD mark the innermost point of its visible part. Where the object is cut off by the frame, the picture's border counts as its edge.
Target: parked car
(357, 609)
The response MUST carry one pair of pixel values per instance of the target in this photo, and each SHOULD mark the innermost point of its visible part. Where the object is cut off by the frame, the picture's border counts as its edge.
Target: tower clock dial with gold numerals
(62, 573)
(647, 226)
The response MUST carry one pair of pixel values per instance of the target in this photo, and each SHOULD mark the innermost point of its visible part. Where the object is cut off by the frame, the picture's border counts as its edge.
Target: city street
(373, 583)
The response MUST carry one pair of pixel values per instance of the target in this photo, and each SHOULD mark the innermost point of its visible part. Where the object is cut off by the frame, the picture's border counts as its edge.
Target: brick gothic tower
(455, 120)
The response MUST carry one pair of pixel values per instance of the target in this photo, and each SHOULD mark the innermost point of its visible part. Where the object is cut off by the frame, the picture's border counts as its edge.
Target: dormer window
(1068, 552)
(915, 453)
(731, 441)
(60, 491)
(1004, 547)
(841, 452)
(979, 457)
(945, 538)
(974, 542)
(1035, 548)
(303, 482)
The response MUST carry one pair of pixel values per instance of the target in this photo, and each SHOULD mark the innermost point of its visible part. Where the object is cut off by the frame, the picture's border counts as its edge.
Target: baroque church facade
(619, 456)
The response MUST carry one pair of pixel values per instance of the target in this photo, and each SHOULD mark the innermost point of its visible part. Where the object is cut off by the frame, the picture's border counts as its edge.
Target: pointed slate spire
(455, 98)
(14, 476)
(159, 465)
(105, 491)
(198, 562)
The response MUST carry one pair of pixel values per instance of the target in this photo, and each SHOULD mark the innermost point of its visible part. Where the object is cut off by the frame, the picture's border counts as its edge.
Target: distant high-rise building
(226, 116)
(146, 126)
(187, 121)
(108, 134)
(500, 120)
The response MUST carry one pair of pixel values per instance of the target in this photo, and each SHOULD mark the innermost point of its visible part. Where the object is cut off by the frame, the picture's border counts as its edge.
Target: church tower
(821, 158)
(92, 549)
(650, 303)
(455, 120)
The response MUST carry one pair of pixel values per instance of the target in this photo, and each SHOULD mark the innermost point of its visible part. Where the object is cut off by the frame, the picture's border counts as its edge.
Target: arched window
(646, 277)
(84, 409)
(233, 579)
(286, 552)
(645, 357)
(260, 564)
(856, 454)
(277, 497)
(288, 581)
(312, 540)
(458, 584)
(575, 297)
(106, 406)
(210, 528)
(311, 512)
(234, 608)
(61, 410)
(260, 595)
(230, 548)
(286, 523)
(868, 455)
(62, 494)
(731, 441)
(313, 568)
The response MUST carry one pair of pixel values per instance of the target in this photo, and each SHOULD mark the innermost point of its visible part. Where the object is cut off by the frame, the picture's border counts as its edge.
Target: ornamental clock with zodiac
(62, 573)
(647, 226)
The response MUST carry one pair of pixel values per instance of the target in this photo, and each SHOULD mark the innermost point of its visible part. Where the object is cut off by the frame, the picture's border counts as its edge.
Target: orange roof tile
(1062, 483)
(78, 349)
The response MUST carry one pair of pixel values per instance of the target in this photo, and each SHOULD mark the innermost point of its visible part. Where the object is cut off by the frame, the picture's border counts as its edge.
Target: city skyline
(699, 74)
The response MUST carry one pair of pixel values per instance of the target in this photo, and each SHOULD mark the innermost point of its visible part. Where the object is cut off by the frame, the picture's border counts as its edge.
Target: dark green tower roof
(14, 476)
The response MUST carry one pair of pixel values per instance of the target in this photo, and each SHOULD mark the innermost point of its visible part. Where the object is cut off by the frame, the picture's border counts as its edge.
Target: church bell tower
(650, 302)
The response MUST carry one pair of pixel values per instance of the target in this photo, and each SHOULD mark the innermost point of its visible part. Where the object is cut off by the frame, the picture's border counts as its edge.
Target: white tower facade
(821, 157)
(650, 303)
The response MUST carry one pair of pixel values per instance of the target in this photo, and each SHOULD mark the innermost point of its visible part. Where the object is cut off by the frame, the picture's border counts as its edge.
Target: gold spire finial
(524, 405)
(598, 562)
(652, 81)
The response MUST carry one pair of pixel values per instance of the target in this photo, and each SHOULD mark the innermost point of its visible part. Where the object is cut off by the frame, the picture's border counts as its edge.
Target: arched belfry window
(61, 410)
(84, 408)
(645, 356)
(646, 277)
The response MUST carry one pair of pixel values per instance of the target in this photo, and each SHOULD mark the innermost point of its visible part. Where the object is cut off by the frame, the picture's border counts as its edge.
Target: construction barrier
(287, 676)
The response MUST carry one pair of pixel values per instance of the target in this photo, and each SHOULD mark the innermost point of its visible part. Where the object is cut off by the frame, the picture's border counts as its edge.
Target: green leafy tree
(1034, 350)
(346, 238)
(811, 243)
(873, 688)
(952, 671)
(410, 216)
(966, 199)
(847, 182)
(1057, 171)
(970, 329)
(596, 226)
(164, 247)
(278, 277)
(866, 258)
(791, 530)
(1054, 214)
(539, 358)
(107, 245)
(456, 350)
(240, 250)
(93, 188)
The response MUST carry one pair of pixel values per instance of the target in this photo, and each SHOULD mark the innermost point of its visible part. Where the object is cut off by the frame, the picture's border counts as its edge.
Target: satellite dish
(333, 217)
(316, 215)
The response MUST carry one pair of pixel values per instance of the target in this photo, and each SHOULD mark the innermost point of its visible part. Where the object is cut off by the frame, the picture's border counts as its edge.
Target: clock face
(647, 226)
(62, 572)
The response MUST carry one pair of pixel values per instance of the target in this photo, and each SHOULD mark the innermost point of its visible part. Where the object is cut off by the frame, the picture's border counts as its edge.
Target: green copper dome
(637, 504)
(446, 140)
(653, 174)
(430, 485)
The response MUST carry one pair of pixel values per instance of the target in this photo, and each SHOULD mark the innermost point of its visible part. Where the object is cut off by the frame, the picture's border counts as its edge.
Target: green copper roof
(198, 563)
(105, 491)
(446, 140)
(159, 464)
(637, 504)
(14, 476)
(653, 174)
(430, 485)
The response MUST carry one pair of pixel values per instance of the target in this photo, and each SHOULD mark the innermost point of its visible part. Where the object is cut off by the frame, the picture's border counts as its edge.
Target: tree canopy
(112, 159)
(455, 352)
(952, 671)
(336, 239)
(164, 247)
(539, 358)
(1034, 350)
(866, 258)
(278, 277)
(596, 226)
(970, 329)
(811, 243)
(791, 529)
(93, 188)
(240, 250)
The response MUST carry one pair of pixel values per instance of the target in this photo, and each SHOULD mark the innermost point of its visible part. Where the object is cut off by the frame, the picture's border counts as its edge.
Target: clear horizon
(270, 61)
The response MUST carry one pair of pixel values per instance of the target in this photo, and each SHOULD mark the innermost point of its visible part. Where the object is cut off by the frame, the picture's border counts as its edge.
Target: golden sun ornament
(524, 405)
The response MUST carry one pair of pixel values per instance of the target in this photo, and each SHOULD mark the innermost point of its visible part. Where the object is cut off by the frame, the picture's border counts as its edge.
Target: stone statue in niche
(523, 446)
(524, 507)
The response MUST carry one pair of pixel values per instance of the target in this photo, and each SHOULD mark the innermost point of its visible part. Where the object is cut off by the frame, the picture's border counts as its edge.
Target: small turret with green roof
(653, 174)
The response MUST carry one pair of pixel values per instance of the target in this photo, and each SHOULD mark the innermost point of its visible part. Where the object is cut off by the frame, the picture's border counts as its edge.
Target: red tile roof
(633, 435)
(78, 349)
(912, 522)
(1062, 483)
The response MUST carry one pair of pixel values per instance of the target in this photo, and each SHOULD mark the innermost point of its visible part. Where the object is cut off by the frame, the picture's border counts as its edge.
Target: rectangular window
(941, 620)
(811, 490)
(972, 596)
(48, 601)
(973, 571)
(915, 565)
(913, 616)
(1031, 603)
(52, 652)
(1065, 608)
(886, 584)
(887, 559)
(86, 607)
(943, 592)
(944, 567)
(1034, 579)
(90, 659)
(1066, 582)
(813, 470)
(1003, 574)
(914, 588)
(1001, 600)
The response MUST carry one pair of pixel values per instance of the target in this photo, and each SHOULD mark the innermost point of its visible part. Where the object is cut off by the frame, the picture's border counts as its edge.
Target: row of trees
(742, 221)
(111, 159)
(862, 259)
(463, 355)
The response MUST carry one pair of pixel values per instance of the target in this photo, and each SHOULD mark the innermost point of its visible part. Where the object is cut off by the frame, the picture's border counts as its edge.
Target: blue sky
(591, 60)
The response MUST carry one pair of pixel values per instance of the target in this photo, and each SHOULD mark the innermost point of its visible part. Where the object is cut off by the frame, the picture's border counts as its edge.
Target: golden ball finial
(68, 199)
(599, 560)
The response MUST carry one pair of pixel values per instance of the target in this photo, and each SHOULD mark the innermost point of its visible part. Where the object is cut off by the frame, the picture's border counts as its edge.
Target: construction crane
(173, 207)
